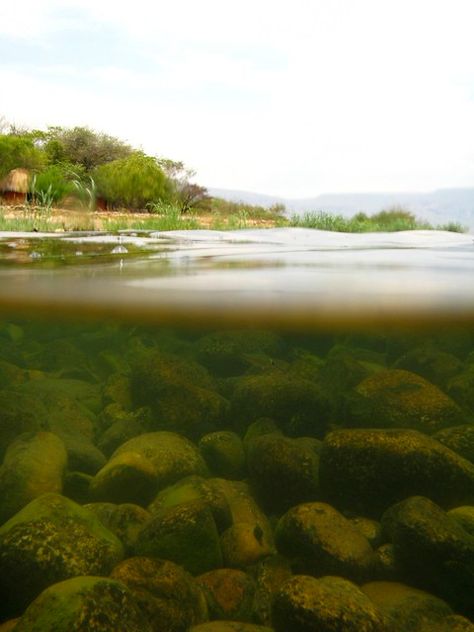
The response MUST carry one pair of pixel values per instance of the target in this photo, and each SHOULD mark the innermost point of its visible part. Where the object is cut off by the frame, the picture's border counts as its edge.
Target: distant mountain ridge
(437, 207)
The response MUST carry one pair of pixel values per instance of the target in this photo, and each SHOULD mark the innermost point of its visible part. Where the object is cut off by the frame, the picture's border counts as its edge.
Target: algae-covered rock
(226, 353)
(368, 470)
(34, 464)
(224, 454)
(142, 466)
(82, 454)
(269, 573)
(319, 540)
(169, 596)
(434, 551)
(460, 439)
(284, 471)
(250, 536)
(406, 609)
(125, 521)
(387, 567)
(230, 594)
(400, 399)
(85, 393)
(51, 539)
(464, 516)
(121, 426)
(185, 534)
(329, 604)
(297, 405)
(19, 413)
(371, 529)
(180, 392)
(258, 428)
(76, 486)
(433, 364)
(190, 488)
(461, 388)
(95, 604)
(229, 626)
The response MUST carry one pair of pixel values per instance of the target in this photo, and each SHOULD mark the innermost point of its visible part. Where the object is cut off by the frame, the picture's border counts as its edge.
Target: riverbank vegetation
(78, 179)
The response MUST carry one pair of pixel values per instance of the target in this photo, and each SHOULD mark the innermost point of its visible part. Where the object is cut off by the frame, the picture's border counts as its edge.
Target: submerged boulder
(284, 471)
(180, 392)
(460, 439)
(230, 594)
(51, 539)
(144, 465)
(34, 464)
(95, 604)
(395, 398)
(433, 550)
(185, 534)
(368, 470)
(319, 540)
(298, 406)
(224, 454)
(406, 609)
(306, 604)
(168, 595)
(125, 521)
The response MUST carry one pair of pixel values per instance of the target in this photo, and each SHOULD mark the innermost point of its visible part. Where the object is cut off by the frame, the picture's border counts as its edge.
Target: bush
(52, 182)
(132, 182)
(19, 151)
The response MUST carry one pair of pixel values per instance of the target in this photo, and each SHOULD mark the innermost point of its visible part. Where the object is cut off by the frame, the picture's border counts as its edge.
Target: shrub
(132, 182)
(19, 151)
(51, 183)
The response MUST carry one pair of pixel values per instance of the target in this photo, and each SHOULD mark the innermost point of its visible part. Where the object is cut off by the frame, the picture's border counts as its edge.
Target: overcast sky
(287, 98)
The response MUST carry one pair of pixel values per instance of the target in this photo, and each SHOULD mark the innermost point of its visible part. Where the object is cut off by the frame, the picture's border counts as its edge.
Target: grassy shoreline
(38, 219)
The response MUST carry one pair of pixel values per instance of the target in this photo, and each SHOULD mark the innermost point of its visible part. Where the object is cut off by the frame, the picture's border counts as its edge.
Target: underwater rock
(319, 540)
(298, 406)
(387, 568)
(370, 529)
(230, 594)
(406, 609)
(368, 470)
(117, 390)
(11, 375)
(461, 388)
(51, 539)
(180, 392)
(144, 465)
(435, 365)
(224, 454)
(258, 428)
(169, 596)
(190, 488)
(225, 353)
(82, 454)
(400, 399)
(434, 551)
(306, 604)
(19, 413)
(34, 464)
(122, 425)
(229, 626)
(84, 393)
(250, 536)
(460, 439)
(185, 534)
(284, 471)
(464, 516)
(269, 573)
(95, 604)
(125, 521)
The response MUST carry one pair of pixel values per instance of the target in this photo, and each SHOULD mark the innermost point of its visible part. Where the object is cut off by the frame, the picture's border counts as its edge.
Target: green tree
(19, 151)
(82, 146)
(132, 182)
(186, 194)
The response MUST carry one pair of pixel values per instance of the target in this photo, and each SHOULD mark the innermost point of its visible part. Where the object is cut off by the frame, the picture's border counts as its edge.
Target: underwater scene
(275, 464)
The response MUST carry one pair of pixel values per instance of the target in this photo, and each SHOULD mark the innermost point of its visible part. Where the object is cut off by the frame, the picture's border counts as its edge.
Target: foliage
(185, 194)
(50, 184)
(19, 151)
(390, 220)
(453, 227)
(226, 208)
(86, 191)
(132, 182)
(82, 146)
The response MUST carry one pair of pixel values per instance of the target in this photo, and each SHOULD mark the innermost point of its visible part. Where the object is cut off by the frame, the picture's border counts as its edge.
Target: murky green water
(275, 431)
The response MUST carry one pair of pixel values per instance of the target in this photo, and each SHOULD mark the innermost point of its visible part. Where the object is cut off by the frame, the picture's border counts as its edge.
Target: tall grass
(391, 220)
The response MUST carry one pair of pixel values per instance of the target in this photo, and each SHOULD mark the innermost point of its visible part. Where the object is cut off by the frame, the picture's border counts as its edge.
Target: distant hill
(437, 207)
